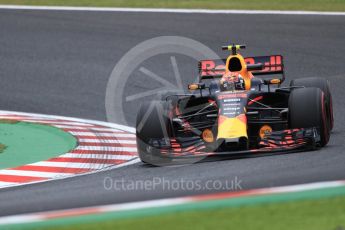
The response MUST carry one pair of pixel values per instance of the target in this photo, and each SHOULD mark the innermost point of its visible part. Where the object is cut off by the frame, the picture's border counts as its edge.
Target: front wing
(291, 140)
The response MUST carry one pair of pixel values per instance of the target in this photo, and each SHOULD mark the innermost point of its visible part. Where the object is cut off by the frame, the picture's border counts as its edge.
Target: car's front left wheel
(153, 127)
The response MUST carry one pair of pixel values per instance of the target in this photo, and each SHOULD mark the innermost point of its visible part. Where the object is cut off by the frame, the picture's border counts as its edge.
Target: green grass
(322, 5)
(5, 121)
(24, 143)
(325, 214)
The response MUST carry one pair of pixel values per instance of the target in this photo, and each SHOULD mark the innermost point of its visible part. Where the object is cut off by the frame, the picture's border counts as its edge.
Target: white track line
(107, 141)
(306, 187)
(12, 117)
(59, 123)
(86, 134)
(7, 184)
(87, 129)
(91, 166)
(33, 173)
(25, 117)
(164, 10)
(106, 148)
(99, 156)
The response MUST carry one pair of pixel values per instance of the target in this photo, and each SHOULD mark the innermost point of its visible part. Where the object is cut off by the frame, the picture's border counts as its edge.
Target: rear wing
(273, 64)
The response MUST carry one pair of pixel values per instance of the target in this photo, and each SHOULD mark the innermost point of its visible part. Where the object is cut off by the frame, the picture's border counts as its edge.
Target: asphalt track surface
(59, 63)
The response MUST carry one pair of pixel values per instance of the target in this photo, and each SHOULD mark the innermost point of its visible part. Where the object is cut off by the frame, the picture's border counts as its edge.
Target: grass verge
(326, 213)
(24, 143)
(318, 5)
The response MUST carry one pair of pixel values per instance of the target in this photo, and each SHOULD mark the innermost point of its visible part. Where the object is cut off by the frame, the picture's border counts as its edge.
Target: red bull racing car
(239, 106)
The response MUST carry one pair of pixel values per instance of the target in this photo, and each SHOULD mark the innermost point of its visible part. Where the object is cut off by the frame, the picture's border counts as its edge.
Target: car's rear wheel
(153, 123)
(322, 84)
(307, 109)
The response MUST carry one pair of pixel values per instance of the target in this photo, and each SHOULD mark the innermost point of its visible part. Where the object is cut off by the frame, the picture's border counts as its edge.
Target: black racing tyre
(307, 108)
(153, 122)
(322, 84)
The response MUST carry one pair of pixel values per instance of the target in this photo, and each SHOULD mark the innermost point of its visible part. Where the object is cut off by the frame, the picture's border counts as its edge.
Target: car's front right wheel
(307, 109)
(322, 84)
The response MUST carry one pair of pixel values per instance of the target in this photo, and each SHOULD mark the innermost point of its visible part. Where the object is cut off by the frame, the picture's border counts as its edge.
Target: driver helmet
(232, 81)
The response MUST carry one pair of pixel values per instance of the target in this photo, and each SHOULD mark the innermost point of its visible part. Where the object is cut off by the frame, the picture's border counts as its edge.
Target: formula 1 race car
(238, 107)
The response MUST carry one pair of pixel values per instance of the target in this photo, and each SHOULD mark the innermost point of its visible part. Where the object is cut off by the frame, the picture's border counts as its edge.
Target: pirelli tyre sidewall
(153, 122)
(322, 84)
(307, 108)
